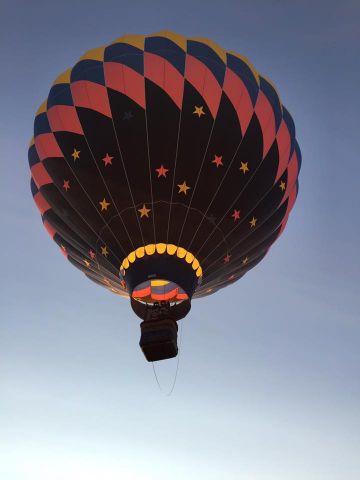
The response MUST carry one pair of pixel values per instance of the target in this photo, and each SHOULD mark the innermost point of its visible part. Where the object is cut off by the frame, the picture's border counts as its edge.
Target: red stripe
(182, 296)
(91, 95)
(141, 293)
(165, 75)
(40, 175)
(239, 96)
(125, 80)
(204, 81)
(284, 144)
(47, 146)
(64, 118)
(51, 230)
(41, 203)
(266, 117)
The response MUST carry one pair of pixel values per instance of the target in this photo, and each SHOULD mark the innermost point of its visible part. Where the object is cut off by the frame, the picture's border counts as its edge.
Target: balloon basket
(158, 339)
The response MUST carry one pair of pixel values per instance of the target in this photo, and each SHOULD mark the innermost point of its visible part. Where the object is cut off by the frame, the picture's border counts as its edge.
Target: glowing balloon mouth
(161, 272)
(161, 248)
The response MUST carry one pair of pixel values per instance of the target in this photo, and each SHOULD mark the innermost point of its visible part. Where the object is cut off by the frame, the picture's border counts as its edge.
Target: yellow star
(199, 111)
(253, 222)
(244, 167)
(245, 260)
(104, 204)
(75, 154)
(144, 212)
(104, 251)
(87, 263)
(183, 188)
(282, 185)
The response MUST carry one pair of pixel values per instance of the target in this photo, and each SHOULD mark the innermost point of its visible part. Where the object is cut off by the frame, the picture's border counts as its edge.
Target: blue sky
(268, 385)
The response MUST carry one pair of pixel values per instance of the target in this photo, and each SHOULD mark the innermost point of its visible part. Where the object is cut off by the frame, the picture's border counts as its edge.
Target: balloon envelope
(164, 167)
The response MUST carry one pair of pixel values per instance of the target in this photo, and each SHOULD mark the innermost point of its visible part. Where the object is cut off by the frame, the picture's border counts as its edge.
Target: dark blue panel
(167, 49)
(127, 55)
(289, 122)
(291, 127)
(33, 157)
(41, 124)
(246, 75)
(60, 95)
(34, 189)
(91, 70)
(298, 154)
(274, 100)
(207, 55)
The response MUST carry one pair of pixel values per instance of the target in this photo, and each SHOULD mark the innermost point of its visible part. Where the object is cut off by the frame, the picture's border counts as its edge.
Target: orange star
(104, 251)
(253, 222)
(236, 215)
(244, 262)
(104, 204)
(107, 160)
(218, 161)
(244, 167)
(282, 185)
(75, 154)
(144, 212)
(162, 171)
(87, 263)
(199, 111)
(66, 185)
(183, 188)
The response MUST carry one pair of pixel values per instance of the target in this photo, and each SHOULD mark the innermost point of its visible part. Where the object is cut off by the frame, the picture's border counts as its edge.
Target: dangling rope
(169, 393)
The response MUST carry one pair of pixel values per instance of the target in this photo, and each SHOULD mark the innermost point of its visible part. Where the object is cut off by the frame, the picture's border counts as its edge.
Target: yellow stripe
(94, 54)
(159, 283)
(137, 41)
(63, 77)
(42, 108)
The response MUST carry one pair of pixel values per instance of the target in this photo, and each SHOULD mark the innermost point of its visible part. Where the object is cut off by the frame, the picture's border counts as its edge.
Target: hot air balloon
(164, 168)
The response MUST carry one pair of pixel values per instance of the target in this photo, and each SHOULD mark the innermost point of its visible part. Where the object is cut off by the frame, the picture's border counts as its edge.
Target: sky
(268, 386)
